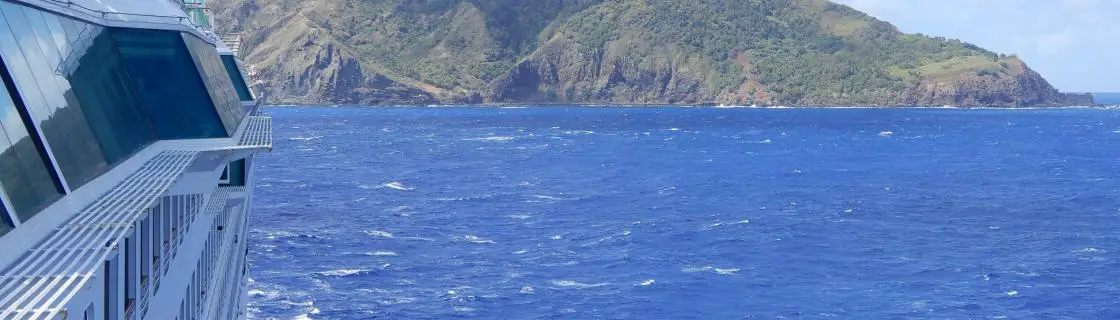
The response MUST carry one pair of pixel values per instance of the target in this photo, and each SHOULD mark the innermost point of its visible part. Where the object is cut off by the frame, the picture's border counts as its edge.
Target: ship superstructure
(127, 139)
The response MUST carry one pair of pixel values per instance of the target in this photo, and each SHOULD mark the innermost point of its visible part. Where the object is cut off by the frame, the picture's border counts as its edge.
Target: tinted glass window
(24, 169)
(238, 80)
(36, 64)
(105, 91)
(236, 174)
(217, 81)
(170, 88)
(5, 223)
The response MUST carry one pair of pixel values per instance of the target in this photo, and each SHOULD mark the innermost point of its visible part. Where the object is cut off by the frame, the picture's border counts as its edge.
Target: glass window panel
(23, 169)
(5, 223)
(238, 80)
(64, 124)
(24, 172)
(106, 95)
(15, 181)
(217, 81)
(171, 90)
(57, 34)
(236, 173)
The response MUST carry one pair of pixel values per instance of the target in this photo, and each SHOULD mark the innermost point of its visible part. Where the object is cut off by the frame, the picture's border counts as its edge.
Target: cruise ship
(128, 131)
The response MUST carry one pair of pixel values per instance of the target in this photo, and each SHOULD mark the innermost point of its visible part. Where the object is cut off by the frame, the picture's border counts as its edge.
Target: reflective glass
(5, 223)
(238, 80)
(170, 88)
(108, 99)
(23, 169)
(217, 81)
(60, 116)
(236, 173)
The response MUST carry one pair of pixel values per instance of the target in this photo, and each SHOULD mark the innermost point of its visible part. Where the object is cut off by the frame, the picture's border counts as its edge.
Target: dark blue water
(677, 213)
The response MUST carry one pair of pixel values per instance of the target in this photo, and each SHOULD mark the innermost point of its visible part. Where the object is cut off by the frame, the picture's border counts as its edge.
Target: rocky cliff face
(767, 52)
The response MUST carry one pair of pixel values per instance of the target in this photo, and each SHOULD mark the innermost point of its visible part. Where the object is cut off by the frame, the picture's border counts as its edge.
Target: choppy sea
(687, 213)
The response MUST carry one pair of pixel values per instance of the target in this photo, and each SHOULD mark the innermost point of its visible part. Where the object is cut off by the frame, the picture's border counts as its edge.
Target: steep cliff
(790, 52)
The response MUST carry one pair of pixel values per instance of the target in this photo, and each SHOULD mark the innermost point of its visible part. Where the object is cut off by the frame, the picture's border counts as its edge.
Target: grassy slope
(770, 51)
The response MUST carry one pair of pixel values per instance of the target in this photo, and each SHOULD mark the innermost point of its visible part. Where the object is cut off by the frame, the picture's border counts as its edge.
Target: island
(758, 52)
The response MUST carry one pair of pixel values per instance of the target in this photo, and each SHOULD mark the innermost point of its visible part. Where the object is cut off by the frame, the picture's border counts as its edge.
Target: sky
(1075, 44)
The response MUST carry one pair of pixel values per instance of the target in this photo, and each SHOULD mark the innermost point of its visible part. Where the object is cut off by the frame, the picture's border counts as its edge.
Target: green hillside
(793, 52)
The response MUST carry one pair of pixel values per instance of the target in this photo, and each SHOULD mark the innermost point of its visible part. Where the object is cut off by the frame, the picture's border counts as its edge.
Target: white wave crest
(647, 283)
(305, 138)
(382, 254)
(718, 224)
(1091, 250)
(397, 186)
(576, 284)
(379, 233)
(723, 271)
(528, 290)
(475, 239)
(727, 270)
(343, 272)
(265, 294)
(491, 139)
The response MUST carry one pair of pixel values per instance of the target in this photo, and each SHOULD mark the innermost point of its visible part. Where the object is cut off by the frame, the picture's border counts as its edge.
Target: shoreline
(683, 106)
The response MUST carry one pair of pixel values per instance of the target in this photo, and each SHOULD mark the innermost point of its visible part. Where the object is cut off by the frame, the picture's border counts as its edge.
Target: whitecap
(727, 270)
(397, 186)
(767, 141)
(576, 284)
(551, 198)
(463, 309)
(723, 271)
(1092, 250)
(379, 233)
(265, 294)
(520, 216)
(302, 317)
(305, 138)
(626, 232)
(342, 272)
(1012, 293)
(382, 254)
(522, 251)
(418, 238)
(718, 224)
(647, 283)
(667, 190)
(476, 239)
(492, 139)
(527, 290)
(556, 237)
(886, 134)
(674, 129)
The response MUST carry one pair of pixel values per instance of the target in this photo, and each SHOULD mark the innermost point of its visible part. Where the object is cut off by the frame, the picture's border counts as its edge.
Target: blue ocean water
(687, 213)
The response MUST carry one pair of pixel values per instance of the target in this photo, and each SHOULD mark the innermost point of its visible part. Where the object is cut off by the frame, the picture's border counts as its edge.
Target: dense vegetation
(635, 51)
